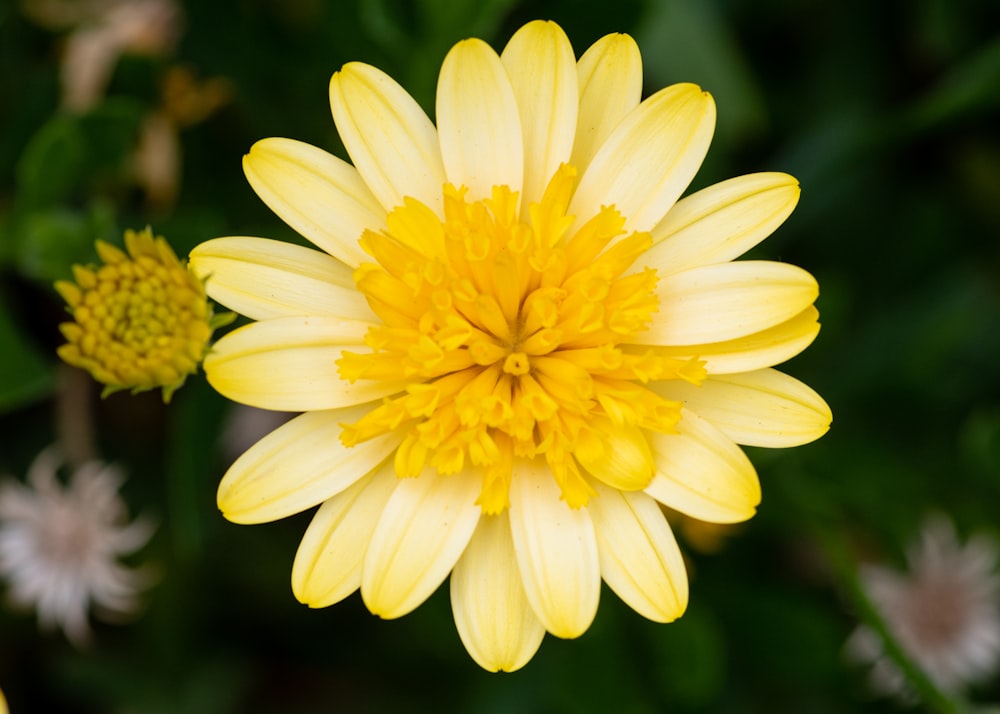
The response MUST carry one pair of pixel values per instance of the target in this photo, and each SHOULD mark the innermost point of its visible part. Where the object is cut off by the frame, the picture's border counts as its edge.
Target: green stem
(847, 570)
(824, 527)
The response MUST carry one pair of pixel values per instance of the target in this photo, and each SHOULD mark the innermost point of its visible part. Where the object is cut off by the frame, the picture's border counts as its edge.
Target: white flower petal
(478, 121)
(761, 349)
(728, 301)
(388, 136)
(263, 278)
(702, 473)
(317, 194)
(289, 364)
(760, 408)
(298, 465)
(328, 562)
(556, 551)
(542, 69)
(639, 556)
(422, 532)
(609, 75)
(721, 222)
(492, 614)
(649, 159)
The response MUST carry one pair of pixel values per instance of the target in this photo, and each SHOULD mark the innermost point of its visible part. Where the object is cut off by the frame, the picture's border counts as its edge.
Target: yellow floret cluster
(141, 321)
(514, 336)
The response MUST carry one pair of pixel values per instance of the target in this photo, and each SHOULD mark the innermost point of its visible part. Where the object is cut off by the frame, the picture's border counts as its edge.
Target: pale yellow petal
(423, 530)
(478, 121)
(556, 551)
(492, 614)
(761, 349)
(702, 473)
(263, 278)
(328, 562)
(721, 222)
(542, 69)
(317, 194)
(649, 159)
(626, 461)
(760, 408)
(716, 303)
(639, 556)
(388, 136)
(296, 466)
(289, 364)
(609, 75)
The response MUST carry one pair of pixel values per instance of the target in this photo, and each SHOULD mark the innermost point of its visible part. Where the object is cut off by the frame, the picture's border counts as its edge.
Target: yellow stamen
(516, 335)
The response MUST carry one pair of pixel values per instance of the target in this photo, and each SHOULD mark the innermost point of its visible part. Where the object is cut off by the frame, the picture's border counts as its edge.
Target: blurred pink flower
(943, 612)
(60, 545)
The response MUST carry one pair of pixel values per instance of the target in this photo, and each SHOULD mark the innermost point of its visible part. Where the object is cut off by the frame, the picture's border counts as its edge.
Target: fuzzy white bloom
(60, 545)
(943, 612)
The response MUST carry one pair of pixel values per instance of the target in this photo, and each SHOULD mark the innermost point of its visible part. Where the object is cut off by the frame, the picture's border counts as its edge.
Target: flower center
(141, 321)
(515, 334)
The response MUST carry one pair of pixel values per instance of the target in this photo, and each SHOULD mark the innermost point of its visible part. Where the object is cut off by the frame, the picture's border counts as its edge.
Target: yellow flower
(140, 321)
(514, 341)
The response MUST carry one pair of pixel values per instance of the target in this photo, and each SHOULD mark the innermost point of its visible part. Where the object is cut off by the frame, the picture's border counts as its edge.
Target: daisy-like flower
(944, 612)
(60, 545)
(141, 321)
(513, 342)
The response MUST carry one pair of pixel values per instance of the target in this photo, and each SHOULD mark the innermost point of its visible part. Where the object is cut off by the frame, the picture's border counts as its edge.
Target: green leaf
(52, 162)
(70, 152)
(52, 241)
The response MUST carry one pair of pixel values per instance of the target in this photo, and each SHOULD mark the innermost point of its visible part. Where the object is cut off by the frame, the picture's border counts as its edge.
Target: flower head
(944, 612)
(60, 545)
(514, 341)
(140, 321)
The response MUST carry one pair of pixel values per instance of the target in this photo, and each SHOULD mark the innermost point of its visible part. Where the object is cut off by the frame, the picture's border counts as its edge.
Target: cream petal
(649, 159)
(263, 279)
(542, 68)
(721, 222)
(296, 466)
(317, 194)
(761, 349)
(289, 364)
(609, 75)
(702, 473)
(556, 551)
(625, 463)
(388, 136)
(716, 303)
(421, 534)
(478, 122)
(639, 556)
(492, 614)
(760, 408)
(327, 565)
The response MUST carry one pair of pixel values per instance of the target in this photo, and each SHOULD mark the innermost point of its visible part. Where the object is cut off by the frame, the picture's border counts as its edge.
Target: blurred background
(120, 114)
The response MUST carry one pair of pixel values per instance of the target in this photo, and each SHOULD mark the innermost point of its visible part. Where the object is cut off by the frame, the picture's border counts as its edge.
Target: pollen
(515, 334)
(140, 321)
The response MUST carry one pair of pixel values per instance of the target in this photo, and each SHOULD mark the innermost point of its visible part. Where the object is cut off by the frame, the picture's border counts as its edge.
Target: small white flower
(944, 612)
(60, 545)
